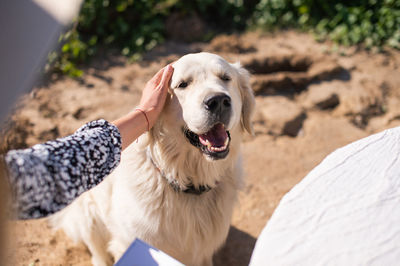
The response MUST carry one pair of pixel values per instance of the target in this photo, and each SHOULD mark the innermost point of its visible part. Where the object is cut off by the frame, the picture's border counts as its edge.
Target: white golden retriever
(177, 191)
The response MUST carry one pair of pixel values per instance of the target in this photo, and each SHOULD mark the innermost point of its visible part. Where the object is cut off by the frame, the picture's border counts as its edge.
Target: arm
(49, 176)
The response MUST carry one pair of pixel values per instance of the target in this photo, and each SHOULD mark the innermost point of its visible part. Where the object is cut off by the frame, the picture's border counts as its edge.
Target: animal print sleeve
(49, 176)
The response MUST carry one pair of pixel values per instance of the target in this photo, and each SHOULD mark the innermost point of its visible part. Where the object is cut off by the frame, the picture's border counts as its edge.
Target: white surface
(346, 211)
(140, 253)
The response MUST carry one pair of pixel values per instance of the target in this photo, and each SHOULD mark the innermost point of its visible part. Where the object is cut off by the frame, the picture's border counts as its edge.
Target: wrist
(145, 114)
(150, 114)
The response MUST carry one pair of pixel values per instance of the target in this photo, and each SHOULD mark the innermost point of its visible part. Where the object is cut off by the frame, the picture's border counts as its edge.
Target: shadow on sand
(237, 249)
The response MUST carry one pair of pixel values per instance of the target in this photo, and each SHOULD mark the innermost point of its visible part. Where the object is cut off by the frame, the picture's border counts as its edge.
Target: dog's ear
(248, 102)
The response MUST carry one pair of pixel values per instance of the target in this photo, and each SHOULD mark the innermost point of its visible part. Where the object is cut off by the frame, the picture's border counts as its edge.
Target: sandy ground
(310, 101)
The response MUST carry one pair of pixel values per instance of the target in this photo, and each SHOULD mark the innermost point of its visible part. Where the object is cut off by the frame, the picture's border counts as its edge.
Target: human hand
(134, 124)
(155, 93)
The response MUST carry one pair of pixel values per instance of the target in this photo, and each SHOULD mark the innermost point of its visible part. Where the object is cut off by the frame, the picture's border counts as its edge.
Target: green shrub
(372, 22)
(128, 25)
(135, 26)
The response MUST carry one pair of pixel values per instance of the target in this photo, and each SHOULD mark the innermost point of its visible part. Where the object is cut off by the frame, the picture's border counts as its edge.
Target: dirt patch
(333, 99)
(231, 44)
(177, 23)
(288, 74)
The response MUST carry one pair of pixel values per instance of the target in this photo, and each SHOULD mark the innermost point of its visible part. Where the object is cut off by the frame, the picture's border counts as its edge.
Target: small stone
(325, 70)
(280, 115)
(320, 96)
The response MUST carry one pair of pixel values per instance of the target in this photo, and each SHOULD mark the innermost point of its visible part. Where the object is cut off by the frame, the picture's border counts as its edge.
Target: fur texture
(136, 200)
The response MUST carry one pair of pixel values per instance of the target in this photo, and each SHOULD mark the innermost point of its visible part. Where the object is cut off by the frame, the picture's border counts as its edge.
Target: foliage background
(135, 26)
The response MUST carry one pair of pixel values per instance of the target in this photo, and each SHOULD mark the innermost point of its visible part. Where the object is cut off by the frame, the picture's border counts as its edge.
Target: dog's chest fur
(187, 226)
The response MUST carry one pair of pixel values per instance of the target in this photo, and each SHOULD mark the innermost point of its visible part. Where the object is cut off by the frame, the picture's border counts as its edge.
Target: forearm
(132, 125)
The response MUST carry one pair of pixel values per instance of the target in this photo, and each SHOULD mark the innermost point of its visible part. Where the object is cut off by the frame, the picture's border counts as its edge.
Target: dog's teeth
(216, 149)
(226, 142)
(209, 146)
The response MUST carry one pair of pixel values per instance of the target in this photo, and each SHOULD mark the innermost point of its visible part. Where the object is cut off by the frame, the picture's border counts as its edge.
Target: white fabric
(346, 211)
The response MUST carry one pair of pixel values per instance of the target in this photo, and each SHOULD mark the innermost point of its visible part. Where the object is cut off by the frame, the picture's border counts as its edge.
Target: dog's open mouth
(214, 143)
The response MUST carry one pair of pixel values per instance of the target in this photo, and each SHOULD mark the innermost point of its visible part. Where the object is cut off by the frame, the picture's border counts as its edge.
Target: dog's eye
(225, 77)
(183, 84)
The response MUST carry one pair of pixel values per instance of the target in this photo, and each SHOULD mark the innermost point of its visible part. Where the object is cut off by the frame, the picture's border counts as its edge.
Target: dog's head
(211, 101)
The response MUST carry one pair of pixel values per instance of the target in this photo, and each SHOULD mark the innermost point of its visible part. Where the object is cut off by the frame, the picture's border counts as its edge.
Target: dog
(177, 188)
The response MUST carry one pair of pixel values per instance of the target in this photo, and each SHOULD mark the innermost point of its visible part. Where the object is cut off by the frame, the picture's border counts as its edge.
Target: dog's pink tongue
(216, 136)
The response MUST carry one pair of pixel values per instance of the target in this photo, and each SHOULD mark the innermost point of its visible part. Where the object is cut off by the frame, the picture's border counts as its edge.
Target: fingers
(166, 76)
(163, 75)
(157, 77)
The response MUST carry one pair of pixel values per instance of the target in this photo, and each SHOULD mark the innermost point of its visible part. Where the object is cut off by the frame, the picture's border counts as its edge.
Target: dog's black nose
(219, 107)
(218, 103)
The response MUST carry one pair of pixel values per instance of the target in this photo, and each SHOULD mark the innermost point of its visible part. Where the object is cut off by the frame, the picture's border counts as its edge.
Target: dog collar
(189, 189)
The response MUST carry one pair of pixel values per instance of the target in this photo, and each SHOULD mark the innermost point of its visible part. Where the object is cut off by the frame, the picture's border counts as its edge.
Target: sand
(312, 98)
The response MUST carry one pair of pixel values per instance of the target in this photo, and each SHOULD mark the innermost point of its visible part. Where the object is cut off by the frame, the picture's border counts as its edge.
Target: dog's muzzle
(215, 142)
